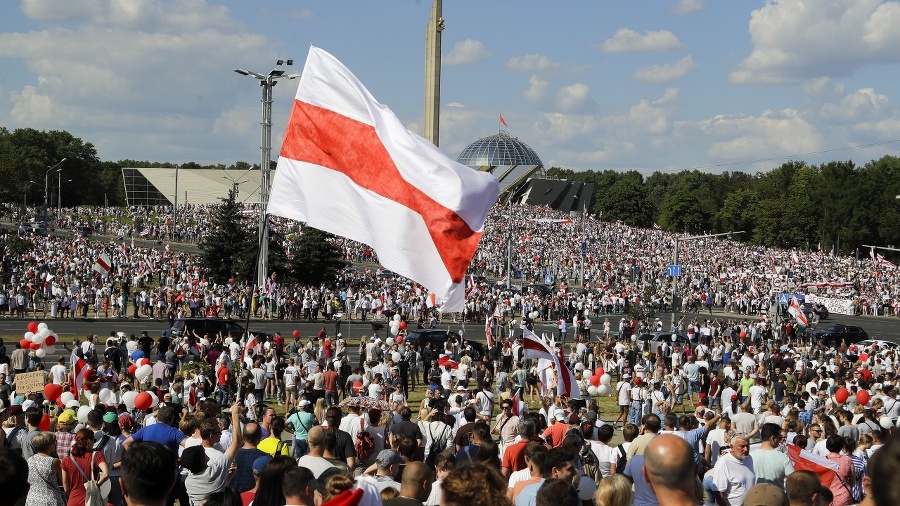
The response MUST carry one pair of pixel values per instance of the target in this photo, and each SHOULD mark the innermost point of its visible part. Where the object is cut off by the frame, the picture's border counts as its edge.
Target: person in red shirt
(514, 457)
(222, 377)
(555, 433)
(279, 342)
(330, 379)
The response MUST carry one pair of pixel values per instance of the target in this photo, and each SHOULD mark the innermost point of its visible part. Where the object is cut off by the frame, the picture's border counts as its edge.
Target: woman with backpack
(81, 466)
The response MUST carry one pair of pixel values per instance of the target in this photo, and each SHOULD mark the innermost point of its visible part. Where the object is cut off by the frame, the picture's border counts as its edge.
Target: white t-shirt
(59, 373)
(734, 477)
(623, 388)
(606, 455)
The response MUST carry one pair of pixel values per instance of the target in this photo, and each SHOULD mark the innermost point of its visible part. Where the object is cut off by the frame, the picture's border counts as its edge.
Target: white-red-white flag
(488, 332)
(103, 265)
(809, 461)
(348, 166)
(535, 347)
(79, 370)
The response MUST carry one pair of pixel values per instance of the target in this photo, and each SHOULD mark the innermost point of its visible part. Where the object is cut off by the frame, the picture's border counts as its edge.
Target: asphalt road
(885, 328)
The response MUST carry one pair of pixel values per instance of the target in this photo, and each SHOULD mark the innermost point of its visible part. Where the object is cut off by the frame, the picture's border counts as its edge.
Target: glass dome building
(512, 161)
(500, 149)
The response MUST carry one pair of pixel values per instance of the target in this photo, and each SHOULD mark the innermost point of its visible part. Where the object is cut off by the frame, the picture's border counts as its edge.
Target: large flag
(797, 312)
(102, 265)
(809, 461)
(79, 370)
(488, 332)
(535, 347)
(348, 166)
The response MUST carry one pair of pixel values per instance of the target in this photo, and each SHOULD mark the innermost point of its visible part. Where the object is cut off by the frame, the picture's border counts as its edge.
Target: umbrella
(365, 402)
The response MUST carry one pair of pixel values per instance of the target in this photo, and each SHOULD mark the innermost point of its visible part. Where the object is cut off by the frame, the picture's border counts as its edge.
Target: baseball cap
(765, 494)
(734, 397)
(388, 458)
(67, 417)
(303, 403)
(15, 409)
(340, 335)
(109, 417)
(260, 463)
(560, 415)
(73, 404)
(626, 376)
(591, 415)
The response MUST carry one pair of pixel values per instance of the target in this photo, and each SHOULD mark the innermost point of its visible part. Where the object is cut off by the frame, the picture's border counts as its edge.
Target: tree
(315, 259)
(230, 248)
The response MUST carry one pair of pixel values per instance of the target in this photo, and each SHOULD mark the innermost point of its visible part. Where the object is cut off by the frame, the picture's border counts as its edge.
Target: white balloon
(633, 337)
(604, 390)
(40, 353)
(395, 357)
(397, 317)
(83, 413)
(50, 349)
(389, 341)
(154, 399)
(42, 326)
(885, 422)
(44, 332)
(592, 390)
(128, 399)
(143, 371)
(395, 331)
(104, 394)
(29, 336)
(66, 397)
(579, 366)
(38, 338)
(606, 379)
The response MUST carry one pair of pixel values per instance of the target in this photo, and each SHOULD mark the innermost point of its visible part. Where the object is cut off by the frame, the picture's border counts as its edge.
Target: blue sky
(654, 86)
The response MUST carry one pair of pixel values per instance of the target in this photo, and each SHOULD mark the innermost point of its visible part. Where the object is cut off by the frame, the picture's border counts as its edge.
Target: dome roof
(496, 150)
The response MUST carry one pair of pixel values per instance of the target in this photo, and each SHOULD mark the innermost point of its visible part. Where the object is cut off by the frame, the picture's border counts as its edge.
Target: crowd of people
(739, 415)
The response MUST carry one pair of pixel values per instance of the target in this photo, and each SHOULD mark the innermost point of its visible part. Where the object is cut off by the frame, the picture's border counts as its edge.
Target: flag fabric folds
(535, 347)
(488, 332)
(348, 166)
(795, 311)
(808, 461)
(503, 122)
(102, 265)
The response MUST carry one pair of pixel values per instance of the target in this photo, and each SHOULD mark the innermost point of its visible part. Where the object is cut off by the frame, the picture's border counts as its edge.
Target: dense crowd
(738, 415)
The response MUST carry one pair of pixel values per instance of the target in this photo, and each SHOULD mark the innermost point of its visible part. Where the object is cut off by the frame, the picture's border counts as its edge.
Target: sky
(667, 85)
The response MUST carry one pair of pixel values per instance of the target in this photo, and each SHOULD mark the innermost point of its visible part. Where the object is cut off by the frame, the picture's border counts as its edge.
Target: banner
(834, 305)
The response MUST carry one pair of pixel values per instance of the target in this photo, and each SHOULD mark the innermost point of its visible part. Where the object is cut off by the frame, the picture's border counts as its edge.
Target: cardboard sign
(29, 382)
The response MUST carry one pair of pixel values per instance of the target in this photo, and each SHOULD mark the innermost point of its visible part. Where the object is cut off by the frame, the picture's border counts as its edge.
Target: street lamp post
(267, 82)
(47, 189)
(679, 240)
(59, 193)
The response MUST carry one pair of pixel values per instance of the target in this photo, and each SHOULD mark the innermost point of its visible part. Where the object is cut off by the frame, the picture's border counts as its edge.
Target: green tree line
(837, 205)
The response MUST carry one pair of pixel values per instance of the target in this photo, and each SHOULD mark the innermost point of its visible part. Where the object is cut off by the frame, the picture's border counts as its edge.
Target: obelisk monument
(433, 74)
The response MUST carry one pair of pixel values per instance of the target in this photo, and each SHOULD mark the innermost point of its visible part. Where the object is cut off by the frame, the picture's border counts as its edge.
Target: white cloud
(794, 40)
(688, 6)
(466, 52)
(864, 103)
(575, 98)
(629, 41)
(771, 133)
(455, 104)
(536, 89)
(657, 74)
(532, 63)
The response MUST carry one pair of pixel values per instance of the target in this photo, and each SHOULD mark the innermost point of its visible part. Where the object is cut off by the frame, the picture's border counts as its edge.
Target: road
(885, 328)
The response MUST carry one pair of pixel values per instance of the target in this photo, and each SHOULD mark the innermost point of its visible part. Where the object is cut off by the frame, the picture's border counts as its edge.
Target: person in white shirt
(733, 475)
(59, 372)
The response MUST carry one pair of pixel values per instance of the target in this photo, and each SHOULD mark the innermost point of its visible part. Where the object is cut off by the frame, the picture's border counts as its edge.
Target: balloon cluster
(397, 324)
(141, 369)
(40, 339)
(533, 315)
(842, 394)
(600, 383)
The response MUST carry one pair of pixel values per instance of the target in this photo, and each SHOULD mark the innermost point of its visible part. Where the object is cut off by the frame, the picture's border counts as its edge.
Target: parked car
(437, 338)
(84, 231)
(657, 338)
(834, 334)
(869, 343)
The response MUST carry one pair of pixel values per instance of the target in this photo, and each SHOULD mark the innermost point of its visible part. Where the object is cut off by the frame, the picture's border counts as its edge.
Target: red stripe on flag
(328, 139)
(105, 266)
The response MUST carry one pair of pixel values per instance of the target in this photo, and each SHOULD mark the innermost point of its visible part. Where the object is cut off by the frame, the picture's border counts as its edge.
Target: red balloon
(131, 369)
(864, 356)
(52, 391)
(50, 341)
(357, 386)
(862, 397)
(45, 422)
(35, 346)
(296, 333)
(143, 401)
(595, 380)
(598, 372)
(841, 395)
(399, 340)
(743, 334)
(402, 325)
(25, 343)
(33, 327)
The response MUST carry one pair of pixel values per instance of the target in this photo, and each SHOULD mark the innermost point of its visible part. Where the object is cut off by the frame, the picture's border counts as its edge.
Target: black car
(834, 334)
(84, 231)
(437, 338)
(211, 326)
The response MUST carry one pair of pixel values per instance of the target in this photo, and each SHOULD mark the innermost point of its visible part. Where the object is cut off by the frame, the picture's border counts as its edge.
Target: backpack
(365, 443)
(622, 459)
(435, 448)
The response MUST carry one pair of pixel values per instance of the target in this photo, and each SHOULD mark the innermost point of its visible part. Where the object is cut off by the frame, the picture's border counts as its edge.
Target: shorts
(270, 375)
(623, 408)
